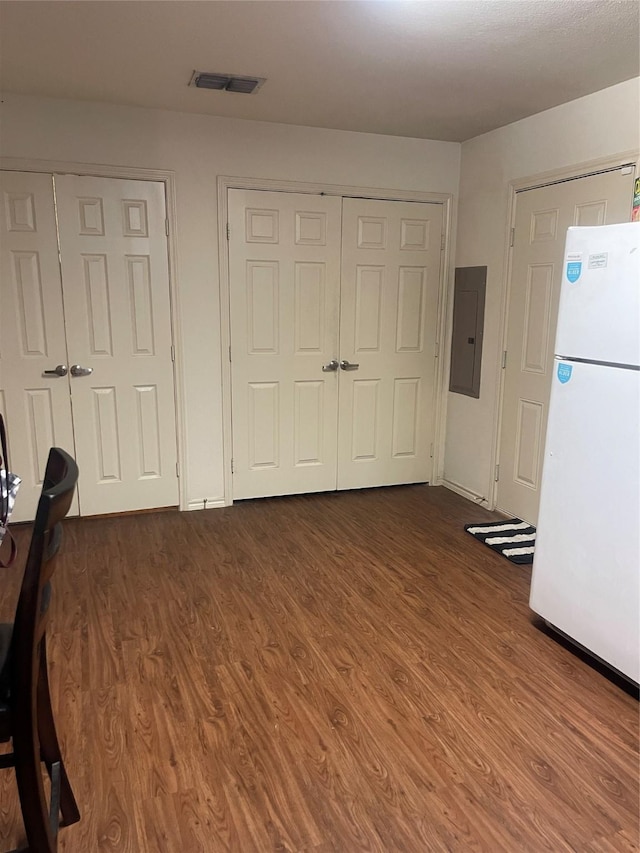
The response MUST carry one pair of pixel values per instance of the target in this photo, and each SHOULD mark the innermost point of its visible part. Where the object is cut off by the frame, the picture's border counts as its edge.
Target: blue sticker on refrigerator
(564, 372)
(574, 269)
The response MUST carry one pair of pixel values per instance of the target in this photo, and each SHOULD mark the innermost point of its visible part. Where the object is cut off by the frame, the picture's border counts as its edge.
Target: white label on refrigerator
(598, 261)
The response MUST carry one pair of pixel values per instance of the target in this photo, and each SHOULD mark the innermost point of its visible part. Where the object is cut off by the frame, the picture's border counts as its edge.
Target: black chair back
(61, 476)
(26, 716)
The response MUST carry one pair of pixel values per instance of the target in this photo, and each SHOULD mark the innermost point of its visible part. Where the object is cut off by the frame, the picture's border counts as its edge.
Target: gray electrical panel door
(468, 324)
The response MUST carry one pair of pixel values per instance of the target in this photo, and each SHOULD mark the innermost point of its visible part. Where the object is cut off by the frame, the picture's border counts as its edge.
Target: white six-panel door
(388, 325)
(284, 266)
(35, 403)
(298, 305)
(115, 276)
(542, 218)
(107, 313)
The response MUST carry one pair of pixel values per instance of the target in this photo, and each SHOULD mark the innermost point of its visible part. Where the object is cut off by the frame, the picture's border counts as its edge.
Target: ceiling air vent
(226, 82)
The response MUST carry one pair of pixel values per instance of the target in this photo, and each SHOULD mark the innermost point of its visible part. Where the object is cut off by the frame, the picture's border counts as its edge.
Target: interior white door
(284, 271)
(117, 313)
(34, 399)
(391, 256)
(542, 218)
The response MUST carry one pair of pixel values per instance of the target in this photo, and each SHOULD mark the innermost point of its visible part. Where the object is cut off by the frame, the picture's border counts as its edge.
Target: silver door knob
(334, 364)
(60, 370)
(79, 370)
(344, 364)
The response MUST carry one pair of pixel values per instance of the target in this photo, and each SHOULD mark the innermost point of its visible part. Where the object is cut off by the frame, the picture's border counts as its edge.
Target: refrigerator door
(599, 313)
(586, 567)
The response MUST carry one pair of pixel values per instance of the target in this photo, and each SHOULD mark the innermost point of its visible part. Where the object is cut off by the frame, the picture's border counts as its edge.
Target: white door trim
(167, 177)
(225, 183)
(542, 179)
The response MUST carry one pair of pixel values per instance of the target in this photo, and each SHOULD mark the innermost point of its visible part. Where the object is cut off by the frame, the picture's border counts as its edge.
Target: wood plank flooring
(337, 672)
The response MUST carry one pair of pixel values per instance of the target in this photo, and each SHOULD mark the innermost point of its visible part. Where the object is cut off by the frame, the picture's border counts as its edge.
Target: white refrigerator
(586, 568)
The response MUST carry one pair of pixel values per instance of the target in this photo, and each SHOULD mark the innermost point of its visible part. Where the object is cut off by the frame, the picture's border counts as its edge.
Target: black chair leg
(33, 801)
(49, 747)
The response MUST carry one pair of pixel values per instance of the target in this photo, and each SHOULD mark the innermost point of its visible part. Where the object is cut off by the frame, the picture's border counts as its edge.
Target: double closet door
(85, 352)
(334, 305)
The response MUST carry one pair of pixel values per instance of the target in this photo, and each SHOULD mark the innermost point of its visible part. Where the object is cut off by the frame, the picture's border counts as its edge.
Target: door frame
(542, 179)
(166, 177)
(227, 182)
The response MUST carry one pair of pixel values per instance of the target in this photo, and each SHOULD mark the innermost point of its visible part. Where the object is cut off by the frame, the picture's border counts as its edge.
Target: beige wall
(197, 149)
(597, 126)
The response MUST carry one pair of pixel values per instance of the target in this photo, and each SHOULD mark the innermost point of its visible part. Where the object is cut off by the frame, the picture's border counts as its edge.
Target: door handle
(60, 370)
(334, 364)
(79, 370)
(344, 364)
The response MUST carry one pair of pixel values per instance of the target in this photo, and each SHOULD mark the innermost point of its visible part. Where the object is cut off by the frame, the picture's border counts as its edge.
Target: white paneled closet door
(542, 218)
(34, 398)
(333, 355)
(284, 266)
(85, 355)
(115, 277)
(391, 256)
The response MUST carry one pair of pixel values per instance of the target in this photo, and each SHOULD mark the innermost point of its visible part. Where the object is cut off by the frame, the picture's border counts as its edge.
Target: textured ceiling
(436, 69)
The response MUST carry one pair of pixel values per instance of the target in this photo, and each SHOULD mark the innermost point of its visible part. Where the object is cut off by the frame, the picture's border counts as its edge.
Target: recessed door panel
(372, 232)
(264, 444)
(406, 417)
(20, 210)
(107, 440)
(369, 287)
(90, 216)
(96, 280)
(30, 303)
(414, 234)
(40, 420)
(544, 225)
(134, 218)
(309, 422)
(537, 318)
(411, 292)
(141, 304)
(310, 294)
(591, 213)
(528, 433)
(364, 424)
(263, 315)
(261, 225)
(311, 228)
(149, 458)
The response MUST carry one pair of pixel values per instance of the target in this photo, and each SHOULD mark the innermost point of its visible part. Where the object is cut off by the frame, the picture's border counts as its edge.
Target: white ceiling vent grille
(226, 82)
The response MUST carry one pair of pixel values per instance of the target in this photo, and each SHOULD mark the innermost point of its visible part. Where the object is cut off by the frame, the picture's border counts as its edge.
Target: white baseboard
(475, 498)
(206, 503)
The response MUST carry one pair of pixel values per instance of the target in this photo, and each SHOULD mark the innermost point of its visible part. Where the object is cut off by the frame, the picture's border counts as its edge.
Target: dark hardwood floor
(337, 672)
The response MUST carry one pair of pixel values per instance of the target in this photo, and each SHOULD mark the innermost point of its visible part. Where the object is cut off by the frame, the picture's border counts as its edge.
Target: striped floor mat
(513, 538)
